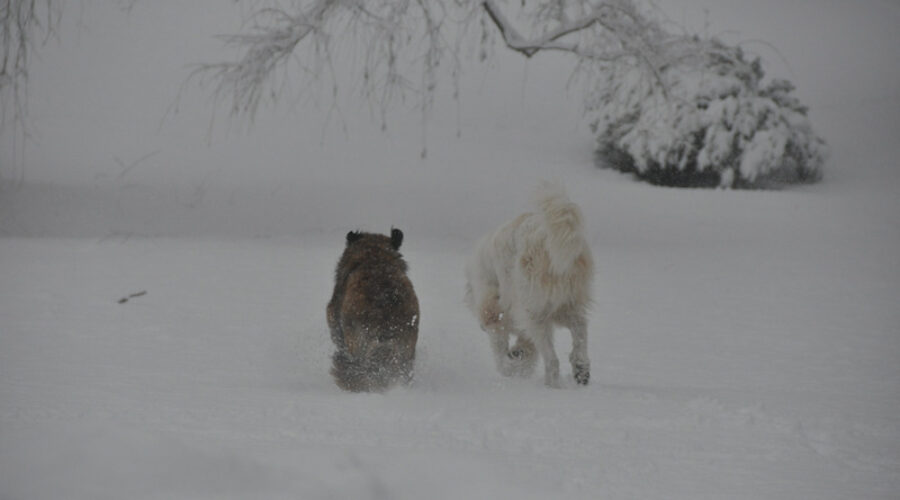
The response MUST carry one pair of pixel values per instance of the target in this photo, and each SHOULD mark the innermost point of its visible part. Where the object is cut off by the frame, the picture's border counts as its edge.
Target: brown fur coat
(373, 314)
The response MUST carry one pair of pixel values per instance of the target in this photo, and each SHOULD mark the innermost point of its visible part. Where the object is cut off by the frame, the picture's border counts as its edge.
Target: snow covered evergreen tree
(706, 118)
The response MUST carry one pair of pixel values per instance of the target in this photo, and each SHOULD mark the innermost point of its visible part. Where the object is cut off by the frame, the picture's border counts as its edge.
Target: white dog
(530, 275)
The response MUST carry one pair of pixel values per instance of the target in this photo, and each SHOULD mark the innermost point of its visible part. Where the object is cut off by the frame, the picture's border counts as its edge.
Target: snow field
(743, 344)
(735, 356)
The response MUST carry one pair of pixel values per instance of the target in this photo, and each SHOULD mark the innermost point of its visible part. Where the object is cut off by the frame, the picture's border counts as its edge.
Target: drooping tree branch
(23, 25)
(624, 24)
(388, 37)
(548, 41)
(396, 36)
(264, 51)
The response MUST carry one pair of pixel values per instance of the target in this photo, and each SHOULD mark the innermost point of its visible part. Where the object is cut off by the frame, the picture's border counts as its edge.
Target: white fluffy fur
(530, 275)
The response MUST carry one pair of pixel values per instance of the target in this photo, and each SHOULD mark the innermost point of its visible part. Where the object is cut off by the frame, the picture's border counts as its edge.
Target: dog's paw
(582, 374)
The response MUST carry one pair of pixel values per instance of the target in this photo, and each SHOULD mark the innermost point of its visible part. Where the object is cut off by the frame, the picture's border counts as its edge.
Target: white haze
(743, 344)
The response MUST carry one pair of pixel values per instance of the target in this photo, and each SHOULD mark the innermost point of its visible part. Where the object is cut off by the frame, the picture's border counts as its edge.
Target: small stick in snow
(133, 295)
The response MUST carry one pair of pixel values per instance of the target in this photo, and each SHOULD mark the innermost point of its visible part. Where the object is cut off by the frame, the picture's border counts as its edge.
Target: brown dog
(373, 314)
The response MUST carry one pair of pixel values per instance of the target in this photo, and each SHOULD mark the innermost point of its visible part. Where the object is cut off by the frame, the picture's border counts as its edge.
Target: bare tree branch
(394, 37)
(622, 23)
(23, 24)
(265, 50)
(548, 41)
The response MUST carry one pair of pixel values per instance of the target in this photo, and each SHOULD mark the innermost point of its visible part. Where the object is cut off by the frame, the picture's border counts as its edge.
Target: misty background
(744, 344)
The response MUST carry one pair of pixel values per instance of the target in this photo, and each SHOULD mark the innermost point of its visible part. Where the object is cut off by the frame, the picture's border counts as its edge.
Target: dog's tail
(563, 223)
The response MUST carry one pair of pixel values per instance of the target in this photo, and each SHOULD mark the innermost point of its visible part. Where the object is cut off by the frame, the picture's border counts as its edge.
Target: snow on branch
(722, 123)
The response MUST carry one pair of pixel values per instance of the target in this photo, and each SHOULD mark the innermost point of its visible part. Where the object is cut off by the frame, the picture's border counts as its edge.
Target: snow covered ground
(743, 344)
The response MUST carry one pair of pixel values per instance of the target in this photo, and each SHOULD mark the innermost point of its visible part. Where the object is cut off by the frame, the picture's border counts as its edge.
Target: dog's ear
(353, 236)
(396, 238)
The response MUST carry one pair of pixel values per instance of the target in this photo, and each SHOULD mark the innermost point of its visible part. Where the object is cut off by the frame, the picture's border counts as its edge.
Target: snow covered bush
(703, 117)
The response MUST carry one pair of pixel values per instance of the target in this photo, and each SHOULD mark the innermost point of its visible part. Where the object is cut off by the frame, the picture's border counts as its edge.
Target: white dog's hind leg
(523, 349)
(522, 357)
(518, 361)
(581, 364)
(500, 347)
(542, 336)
